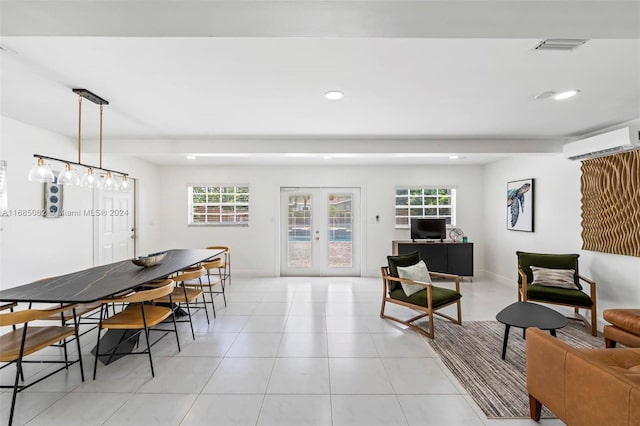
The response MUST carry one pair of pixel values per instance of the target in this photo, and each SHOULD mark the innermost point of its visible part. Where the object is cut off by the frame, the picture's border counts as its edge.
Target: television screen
(425, 229)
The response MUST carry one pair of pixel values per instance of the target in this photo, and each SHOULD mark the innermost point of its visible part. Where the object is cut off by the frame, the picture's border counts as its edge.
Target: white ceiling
(247, 78)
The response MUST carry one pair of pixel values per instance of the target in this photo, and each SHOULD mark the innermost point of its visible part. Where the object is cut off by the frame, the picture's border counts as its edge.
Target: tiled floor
(285, 351)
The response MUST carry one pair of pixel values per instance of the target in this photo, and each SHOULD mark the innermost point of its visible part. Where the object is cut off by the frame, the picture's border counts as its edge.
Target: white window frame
(220, 204)
(408, 206)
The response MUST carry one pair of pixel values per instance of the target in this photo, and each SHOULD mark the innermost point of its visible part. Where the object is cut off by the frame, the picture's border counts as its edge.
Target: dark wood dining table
(100, 282)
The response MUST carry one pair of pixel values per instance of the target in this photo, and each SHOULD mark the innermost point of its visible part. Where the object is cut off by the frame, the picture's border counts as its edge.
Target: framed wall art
(520, 205)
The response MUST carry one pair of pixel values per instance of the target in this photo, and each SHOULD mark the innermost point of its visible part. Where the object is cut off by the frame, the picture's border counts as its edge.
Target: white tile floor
(285, 351)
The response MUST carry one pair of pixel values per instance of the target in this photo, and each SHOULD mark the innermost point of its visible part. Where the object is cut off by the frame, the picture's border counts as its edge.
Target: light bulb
(68, 176)
(109, 183)
(125, 186)
(90, 180)
(41, 172)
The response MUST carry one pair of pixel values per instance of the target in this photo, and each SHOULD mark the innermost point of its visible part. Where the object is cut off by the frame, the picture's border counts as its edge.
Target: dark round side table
(524, 315)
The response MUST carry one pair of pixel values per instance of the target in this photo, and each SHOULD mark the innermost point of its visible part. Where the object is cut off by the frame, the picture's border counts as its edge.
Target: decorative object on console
(520, 207)
(456, 234)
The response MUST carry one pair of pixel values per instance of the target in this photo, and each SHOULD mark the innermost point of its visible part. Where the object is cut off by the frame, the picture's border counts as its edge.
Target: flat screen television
(428, 229)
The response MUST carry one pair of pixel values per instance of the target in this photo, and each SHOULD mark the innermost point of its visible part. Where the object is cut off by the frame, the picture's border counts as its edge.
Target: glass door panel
(340, 230)
(299, 221)
(320, 232)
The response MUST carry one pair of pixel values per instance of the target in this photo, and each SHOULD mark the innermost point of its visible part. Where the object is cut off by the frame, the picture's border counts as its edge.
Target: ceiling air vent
(562, 44)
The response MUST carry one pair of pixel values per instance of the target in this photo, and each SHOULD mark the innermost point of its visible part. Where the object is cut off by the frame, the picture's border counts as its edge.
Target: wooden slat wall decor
(611, 204)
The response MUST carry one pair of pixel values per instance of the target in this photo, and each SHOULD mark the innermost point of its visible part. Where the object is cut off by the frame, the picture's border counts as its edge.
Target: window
(218, 205)
(429, 202)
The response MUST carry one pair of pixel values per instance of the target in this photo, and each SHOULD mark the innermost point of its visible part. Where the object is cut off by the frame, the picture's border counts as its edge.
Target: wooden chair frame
(40, 338)
(226, 257)
(142, 298)
(427, 311)
(189, 295)
(220, 265)
(593, 326)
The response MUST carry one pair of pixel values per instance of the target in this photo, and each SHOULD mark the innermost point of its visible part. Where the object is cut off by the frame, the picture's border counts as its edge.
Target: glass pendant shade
(68, 176)
(125, 185)
(90, 180)
(109, 183)
(41, 172)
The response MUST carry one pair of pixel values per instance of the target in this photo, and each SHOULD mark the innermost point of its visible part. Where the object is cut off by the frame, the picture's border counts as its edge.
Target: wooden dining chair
(20, 342)
(186, 294)
(217, 266)
(139, 314)
(226, 258)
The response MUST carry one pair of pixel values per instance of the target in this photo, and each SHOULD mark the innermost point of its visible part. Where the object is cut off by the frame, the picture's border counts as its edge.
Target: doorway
(114, 225)
(320, 231)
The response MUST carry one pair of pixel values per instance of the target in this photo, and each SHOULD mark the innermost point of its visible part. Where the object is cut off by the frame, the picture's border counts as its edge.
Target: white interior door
(114, 219)
(320, 231)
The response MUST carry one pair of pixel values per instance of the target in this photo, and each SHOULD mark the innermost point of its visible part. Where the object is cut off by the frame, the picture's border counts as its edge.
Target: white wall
(35, 247)
(557, 229)
(255, 248)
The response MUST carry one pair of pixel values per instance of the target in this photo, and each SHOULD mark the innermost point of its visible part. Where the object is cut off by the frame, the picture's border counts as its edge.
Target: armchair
(427, 300)
(540, 291)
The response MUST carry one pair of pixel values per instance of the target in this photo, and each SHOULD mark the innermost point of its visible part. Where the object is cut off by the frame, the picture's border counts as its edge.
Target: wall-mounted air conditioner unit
(614, 142)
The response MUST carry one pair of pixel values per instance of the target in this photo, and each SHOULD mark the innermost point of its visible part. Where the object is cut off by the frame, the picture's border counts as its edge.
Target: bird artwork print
(515, 200)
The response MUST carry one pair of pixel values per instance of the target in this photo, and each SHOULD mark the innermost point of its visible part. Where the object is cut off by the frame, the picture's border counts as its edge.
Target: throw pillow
(417, 272)
(401, 260)
(562, 278)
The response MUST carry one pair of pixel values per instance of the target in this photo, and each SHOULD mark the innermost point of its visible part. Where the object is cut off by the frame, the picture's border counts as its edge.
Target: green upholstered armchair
(427, 300)
(530, 289)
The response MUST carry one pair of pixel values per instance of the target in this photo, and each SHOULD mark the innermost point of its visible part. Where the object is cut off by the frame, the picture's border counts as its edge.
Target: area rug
(472, 353)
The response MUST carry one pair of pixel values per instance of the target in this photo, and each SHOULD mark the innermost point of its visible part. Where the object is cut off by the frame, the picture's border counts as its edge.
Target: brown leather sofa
(583, 387)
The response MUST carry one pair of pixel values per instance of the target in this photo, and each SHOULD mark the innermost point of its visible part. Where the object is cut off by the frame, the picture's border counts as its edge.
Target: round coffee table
(524, 315)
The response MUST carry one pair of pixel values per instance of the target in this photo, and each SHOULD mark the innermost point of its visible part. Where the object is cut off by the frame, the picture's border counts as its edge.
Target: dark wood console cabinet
(450, 258)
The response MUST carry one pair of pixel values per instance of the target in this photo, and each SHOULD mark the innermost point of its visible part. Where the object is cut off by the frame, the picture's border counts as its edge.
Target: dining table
(100, 282)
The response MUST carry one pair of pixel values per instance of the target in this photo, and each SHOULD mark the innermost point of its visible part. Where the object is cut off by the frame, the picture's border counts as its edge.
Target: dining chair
(141, 314)
(226, 258)
(218, 266)
(188, 293)
(19, 343)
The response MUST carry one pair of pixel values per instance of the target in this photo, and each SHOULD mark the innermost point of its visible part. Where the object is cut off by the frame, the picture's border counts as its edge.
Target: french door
(320, 231)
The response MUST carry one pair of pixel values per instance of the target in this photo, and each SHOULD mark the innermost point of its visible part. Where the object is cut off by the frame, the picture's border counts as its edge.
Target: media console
(447, 257)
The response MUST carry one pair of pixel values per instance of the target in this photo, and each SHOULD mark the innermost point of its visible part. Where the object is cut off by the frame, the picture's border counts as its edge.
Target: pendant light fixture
(41, 172)
(94, 177)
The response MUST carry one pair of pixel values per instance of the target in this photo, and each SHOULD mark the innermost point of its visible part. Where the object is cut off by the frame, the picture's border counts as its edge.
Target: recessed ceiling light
(454, 157)
(327, 157)
(545, 95)
(566, 95)
(334, 95)
(191, 157)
